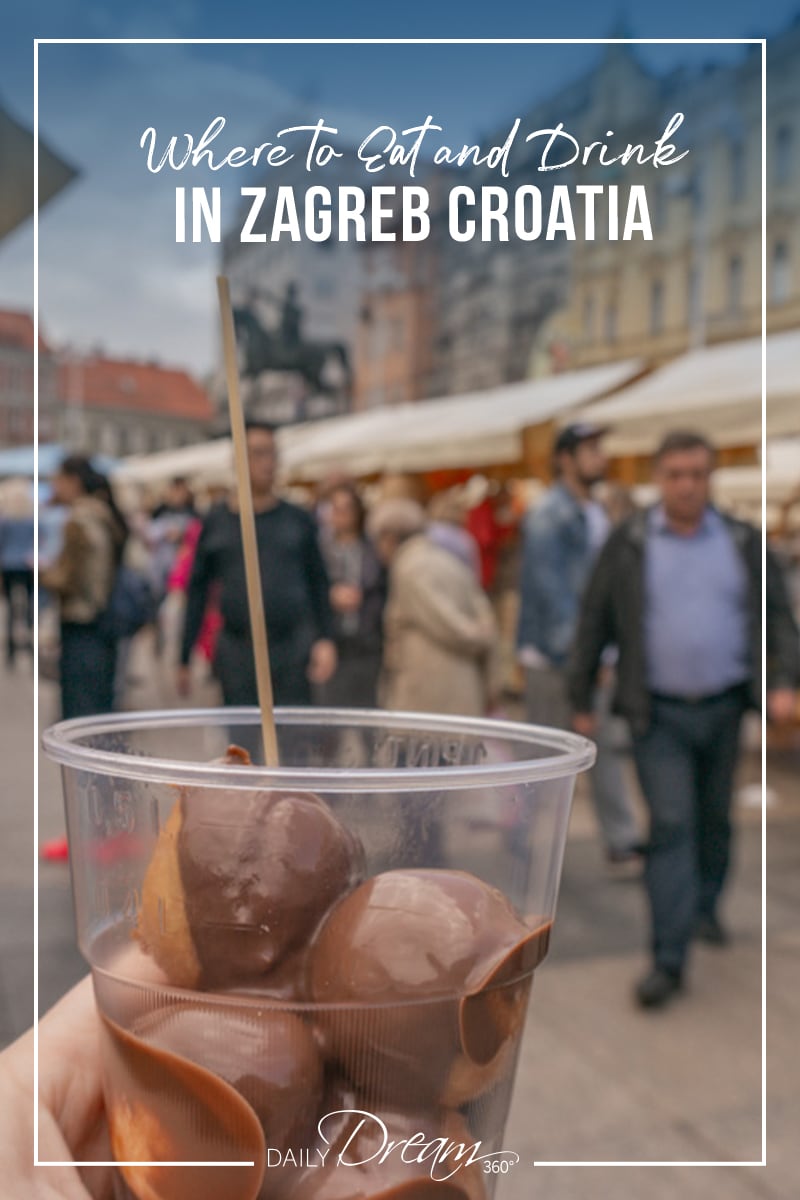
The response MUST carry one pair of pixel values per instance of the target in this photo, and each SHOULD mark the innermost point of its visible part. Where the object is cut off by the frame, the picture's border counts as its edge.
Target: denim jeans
(88, 663)
(546, 703)
(686, 762)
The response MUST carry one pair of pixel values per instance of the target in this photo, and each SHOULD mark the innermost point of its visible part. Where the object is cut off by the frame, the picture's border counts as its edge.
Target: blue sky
(111, 273)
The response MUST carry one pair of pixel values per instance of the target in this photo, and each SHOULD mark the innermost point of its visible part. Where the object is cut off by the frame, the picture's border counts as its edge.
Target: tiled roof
(110, 383)
(16, 329)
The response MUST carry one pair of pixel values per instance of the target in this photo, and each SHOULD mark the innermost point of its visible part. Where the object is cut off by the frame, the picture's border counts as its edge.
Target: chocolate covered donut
(268, 1055)
(239, 880)
(424, 975)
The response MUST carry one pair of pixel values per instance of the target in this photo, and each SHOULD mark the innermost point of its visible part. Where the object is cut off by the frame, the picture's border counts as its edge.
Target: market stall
(475, 430)
(716, 390)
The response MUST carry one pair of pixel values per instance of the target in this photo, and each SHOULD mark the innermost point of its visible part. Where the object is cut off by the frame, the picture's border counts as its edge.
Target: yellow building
(699, 280)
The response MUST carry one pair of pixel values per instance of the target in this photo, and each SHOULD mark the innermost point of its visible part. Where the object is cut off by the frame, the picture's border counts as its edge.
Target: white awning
(475, 430)
(716, 390)
(204, 462)
(478, 429)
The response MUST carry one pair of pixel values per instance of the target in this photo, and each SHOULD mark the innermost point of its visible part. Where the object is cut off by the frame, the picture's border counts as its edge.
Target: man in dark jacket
(294, 583)
(678, 590)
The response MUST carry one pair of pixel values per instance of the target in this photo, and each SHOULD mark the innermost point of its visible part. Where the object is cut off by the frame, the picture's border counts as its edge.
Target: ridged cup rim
(65, 743)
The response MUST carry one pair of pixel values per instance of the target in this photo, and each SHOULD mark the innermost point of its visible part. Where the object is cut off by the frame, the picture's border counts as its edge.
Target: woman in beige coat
(439, 629)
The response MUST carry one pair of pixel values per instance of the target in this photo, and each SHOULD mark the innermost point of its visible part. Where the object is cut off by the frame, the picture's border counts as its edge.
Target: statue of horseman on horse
(283, 348)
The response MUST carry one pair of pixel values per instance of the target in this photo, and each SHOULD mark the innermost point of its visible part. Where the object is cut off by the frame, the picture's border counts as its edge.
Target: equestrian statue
(283, 348)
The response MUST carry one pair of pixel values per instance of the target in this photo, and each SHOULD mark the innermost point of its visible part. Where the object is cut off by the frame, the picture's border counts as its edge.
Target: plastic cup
(381, 1063)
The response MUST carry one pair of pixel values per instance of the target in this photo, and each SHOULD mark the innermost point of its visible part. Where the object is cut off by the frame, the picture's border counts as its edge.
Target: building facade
(119, 407)
(441, 317)
(16, 382)
(699, 280)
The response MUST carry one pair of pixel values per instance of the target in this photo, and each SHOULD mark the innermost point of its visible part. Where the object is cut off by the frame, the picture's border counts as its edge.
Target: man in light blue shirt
(695, 614)
(679, 590)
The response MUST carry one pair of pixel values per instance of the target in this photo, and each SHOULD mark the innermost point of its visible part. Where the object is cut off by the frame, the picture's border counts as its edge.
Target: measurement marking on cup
(123, 814)
(102, 900)
(132, 904)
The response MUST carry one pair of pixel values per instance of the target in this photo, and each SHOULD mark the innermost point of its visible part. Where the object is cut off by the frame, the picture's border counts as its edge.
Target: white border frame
(405, 41)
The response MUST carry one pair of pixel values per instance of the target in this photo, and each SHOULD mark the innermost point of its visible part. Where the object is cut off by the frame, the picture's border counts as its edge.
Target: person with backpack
(82, 579)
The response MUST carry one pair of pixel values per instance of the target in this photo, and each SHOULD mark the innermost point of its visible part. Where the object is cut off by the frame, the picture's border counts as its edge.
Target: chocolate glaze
(163, 1108)
(287, 983)
(432, 970)
(422, 978)
(269, 1056)
(259, 870)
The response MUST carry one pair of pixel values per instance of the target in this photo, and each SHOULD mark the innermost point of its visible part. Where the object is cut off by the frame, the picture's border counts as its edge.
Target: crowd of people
(640, 628)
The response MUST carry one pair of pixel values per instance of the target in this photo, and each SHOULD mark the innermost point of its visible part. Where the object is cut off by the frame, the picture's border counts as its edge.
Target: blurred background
(435, 369)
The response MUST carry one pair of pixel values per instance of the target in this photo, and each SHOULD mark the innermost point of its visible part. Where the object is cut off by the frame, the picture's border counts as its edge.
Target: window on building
(138, 441)
(657, 306)
(108, 439)
(784, 154)
(697, 191)
(735, 275)
(781, 283)
(379, 339)
(610, 322)
(588, 317)
(660, 205)
(737, 171)
(692, 296)
(397, 332)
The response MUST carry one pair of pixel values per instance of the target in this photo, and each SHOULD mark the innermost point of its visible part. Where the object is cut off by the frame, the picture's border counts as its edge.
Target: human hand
(72, 1124)
(585, 724)
(183, 680)
(781, 705)
(322, 663)
(346, 597)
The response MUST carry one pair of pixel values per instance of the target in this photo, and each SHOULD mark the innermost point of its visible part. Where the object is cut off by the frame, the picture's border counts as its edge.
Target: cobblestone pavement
(598, 1080)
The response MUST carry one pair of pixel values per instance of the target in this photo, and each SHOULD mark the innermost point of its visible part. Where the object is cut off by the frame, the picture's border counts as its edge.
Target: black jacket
(294, 581)
(612, 613)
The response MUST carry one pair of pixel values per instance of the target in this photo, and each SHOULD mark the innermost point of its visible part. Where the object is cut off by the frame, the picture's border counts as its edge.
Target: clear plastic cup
(323, 969)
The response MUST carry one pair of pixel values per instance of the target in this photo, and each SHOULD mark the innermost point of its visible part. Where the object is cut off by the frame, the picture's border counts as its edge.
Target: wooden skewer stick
(255, 599)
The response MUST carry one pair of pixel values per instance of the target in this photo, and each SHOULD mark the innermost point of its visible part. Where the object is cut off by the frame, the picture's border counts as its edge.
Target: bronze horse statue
(267, 350)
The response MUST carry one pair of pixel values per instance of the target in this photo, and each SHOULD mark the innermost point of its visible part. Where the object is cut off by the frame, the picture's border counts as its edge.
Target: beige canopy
(475, 430)
(478, 429)
(715, 389)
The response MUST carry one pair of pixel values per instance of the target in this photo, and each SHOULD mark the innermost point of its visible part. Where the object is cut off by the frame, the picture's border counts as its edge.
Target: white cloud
(111, 273)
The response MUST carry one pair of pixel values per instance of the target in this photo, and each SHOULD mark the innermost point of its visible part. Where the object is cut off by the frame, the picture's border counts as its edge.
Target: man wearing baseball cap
(562, 536)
